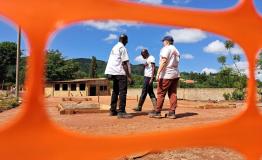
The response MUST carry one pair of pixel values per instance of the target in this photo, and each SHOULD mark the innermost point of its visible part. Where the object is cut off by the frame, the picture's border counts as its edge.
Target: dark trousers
(147, 89)
(164, 86)
(119, 89)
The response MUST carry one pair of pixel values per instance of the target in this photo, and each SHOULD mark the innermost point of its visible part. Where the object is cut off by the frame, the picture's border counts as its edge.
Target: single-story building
(78, 88)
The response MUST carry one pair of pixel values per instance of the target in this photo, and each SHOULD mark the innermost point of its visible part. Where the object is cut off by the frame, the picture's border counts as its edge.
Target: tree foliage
(93, 67)
(222, 60)
(8, 61)
(58, 68)
(229, 44)
(259, 62)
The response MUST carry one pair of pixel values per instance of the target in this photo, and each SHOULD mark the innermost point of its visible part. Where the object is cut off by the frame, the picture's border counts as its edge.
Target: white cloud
(139, 59)
(110, 25)
(151, 1)
(259, 74)
(187, 56)
(237, 50)
(140, 48)
(243, 67)
(209, 70)
(111, 37)
(181, 1)
(218, 47)
(187, 35)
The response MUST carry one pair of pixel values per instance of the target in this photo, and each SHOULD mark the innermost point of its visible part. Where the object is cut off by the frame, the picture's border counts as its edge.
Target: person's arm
(126, 69)
(153, 72)
(162, 66)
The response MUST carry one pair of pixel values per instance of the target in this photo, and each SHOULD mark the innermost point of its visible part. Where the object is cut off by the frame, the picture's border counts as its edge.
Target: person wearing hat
(149, 75)
(119, 71)
(168, 77)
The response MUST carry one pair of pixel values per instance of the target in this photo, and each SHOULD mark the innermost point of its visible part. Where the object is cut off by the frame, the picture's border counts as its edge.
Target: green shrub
(8, 103)
(227, 96)
(238, 94)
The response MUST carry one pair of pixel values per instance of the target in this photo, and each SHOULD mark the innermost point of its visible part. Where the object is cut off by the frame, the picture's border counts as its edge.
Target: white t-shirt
(173, 56)
(148, 67)
(117, 56)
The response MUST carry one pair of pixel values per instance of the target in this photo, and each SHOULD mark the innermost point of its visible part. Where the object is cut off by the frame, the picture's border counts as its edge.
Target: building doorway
(92, 91)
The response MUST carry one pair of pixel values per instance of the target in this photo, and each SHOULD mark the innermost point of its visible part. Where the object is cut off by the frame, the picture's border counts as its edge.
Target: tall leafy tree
(222, 60)
(8, 61)
(93, 72)
(236, 58)
(58, 68)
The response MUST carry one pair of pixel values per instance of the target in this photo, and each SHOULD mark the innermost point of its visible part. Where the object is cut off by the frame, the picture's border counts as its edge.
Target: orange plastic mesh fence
(32, 135)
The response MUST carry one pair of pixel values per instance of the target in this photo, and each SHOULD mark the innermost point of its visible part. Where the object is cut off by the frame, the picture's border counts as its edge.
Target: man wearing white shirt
(168, 76)
(118, 69)
(149, 74)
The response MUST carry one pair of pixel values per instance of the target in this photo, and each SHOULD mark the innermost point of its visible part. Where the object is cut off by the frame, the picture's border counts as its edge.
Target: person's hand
(151, 80)
(130, 81)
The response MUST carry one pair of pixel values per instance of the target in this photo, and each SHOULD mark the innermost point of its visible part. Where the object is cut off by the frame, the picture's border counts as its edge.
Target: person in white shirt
(119, 71)
(168, 76)
(149, 74)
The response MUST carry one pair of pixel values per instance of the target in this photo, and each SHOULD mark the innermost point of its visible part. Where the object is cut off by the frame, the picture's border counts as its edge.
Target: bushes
(237, 94)
(7, 103)
(227, 96)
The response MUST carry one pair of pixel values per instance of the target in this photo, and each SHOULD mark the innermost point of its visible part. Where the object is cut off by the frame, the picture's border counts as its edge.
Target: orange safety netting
(32, 135)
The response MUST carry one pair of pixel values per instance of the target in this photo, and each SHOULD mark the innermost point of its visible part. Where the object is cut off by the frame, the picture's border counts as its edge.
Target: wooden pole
(17, 63)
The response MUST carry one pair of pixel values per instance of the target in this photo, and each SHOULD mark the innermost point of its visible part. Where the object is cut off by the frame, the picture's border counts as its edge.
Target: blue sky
(198, 48)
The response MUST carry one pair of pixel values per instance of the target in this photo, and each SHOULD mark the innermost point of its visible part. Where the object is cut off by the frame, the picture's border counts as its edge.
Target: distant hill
(85, 65)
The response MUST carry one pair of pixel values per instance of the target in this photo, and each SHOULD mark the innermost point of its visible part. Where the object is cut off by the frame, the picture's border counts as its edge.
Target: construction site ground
(189, 113)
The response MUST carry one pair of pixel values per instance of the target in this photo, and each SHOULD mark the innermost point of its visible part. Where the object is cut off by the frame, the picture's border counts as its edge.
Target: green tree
(229, 44)
(57, 68)
(236, 58)
(8, 61)
(259, 62)
(222, 60)
(93, 72)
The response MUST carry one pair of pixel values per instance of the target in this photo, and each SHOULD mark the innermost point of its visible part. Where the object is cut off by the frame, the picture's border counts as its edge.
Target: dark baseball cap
(168, 38)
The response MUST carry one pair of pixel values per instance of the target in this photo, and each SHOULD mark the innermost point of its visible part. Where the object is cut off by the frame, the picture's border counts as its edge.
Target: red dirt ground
(187, 112)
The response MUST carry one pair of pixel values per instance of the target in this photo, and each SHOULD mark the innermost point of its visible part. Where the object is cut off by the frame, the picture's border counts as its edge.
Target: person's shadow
(179, 115)
(187, 114)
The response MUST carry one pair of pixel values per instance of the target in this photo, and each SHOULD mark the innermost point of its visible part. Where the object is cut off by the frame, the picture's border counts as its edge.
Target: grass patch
(7, 102)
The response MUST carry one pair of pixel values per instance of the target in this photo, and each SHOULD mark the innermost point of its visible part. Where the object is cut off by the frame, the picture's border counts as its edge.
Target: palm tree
(222, 60)
(236, 58)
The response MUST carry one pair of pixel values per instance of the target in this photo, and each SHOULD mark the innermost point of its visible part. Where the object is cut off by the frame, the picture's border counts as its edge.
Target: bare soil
(189, 113)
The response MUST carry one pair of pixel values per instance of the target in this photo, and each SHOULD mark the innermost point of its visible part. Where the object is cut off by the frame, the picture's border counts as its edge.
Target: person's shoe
(137, 109)
(155, 114)
(171, 115)
(123, 115)
(113, 113)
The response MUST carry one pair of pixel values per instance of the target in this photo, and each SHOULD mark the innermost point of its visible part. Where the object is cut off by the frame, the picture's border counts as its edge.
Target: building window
(65, 87)
(73, 87)
(57, 87)
(82, 87)
(103, 88)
